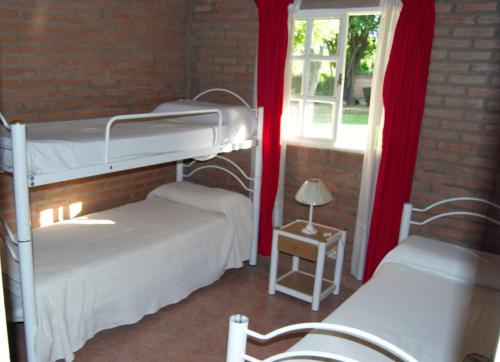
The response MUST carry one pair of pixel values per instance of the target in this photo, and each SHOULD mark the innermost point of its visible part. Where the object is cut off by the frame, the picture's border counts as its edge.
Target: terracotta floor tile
(195, 329)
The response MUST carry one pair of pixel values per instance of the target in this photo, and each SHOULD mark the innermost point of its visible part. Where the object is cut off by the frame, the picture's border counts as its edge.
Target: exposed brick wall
(94, 193)
(223, 45)
(459, 151)
(80, 59)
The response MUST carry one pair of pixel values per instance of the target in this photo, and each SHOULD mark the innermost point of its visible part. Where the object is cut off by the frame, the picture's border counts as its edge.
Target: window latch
(341, 79)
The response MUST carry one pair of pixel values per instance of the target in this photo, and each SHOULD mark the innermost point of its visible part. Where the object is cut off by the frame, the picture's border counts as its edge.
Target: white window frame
(318, 14)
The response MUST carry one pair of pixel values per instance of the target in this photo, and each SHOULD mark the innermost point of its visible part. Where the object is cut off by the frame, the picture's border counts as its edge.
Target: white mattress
(113, 267)
(59, 146)
(432, 317)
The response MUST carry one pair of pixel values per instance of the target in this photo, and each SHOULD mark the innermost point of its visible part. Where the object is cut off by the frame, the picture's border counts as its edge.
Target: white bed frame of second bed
(238, 324)
(23, 181)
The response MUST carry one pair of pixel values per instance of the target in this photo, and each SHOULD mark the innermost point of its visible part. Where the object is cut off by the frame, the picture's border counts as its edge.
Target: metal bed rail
(223, 90)
(109, 166)
(9, 240)
(239, 332)
(223, 169)
(408, 209)
(4, 122)
(24, 240)
(151, 116)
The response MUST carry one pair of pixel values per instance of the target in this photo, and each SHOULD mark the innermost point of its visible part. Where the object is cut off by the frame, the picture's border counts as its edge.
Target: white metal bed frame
(238, 333)
(238, 324)
(23, 181)
(408, 209)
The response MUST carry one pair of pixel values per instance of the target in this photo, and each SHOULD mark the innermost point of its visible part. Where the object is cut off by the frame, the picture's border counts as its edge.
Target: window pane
(318, 120)
(321, 78)
(293, 122)
(325, 37)
(352, 127)
(297, 75)
(299, 37)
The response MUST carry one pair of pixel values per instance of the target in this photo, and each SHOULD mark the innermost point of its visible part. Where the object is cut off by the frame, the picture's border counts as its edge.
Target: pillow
(448, 261)
(236, 207)
(239, 122)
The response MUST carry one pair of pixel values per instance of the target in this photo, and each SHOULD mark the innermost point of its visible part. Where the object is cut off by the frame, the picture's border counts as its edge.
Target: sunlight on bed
(85, 221)
(48, 216)
(75, 209)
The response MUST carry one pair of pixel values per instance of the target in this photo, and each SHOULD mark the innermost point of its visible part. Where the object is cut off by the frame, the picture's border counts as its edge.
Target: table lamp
(313, 192)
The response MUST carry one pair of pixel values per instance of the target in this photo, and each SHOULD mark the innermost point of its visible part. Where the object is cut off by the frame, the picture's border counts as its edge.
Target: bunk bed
(113, 267)
(428, 301)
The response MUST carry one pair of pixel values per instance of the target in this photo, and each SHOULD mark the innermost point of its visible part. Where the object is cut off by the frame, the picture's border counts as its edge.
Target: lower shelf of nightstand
(301, 285)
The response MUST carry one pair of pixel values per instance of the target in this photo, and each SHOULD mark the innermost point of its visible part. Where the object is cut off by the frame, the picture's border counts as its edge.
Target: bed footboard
(239, 331)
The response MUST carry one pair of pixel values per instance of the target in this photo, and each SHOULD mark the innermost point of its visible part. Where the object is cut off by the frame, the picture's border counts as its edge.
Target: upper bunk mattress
(64, 145)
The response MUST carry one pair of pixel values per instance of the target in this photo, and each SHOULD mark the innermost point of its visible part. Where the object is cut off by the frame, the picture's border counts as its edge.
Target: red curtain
(273, 42)
(404, 98)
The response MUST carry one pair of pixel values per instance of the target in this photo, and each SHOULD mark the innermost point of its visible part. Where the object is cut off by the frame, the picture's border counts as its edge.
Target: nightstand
(327, 242)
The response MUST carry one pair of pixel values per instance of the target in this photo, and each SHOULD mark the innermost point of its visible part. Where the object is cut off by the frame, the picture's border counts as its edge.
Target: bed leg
(257, 183)
(179, 171)
(404, 228)
(339, 263)
(23, 218)
(237, 338)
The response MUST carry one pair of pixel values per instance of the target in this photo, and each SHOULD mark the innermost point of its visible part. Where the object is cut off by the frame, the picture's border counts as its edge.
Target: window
(330, 68)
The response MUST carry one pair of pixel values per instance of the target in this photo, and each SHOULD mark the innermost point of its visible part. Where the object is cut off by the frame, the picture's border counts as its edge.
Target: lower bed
(113, 267)
(436, 301)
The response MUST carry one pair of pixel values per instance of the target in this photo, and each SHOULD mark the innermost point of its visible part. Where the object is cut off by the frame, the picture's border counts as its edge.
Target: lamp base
(309, 229)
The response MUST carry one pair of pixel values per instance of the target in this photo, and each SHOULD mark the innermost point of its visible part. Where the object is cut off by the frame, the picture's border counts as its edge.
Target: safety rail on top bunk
(408, 209)
(144, 116)
(113, 166)
(239, 332)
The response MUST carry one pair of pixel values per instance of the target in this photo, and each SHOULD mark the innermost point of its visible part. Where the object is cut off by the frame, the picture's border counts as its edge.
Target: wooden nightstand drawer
(297, 248)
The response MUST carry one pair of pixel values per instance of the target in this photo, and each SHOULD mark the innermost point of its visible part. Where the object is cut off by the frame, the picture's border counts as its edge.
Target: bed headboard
(408, 209)
(252, 184)
(240, 176)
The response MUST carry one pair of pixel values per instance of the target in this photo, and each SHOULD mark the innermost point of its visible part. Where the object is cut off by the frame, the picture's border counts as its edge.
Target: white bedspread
(113, 267)
(432, 317)
(58, 146)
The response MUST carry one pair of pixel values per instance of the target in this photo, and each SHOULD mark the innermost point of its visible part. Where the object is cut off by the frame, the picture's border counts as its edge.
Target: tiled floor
(196, 328)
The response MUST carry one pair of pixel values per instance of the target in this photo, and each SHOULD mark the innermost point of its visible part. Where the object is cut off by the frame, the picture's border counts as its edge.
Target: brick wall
(81, 59)
(90, 194)
(459, 151)
(223, 44)
(341, 173)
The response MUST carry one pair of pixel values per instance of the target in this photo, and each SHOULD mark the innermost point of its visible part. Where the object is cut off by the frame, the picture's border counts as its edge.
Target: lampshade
(313, 192)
